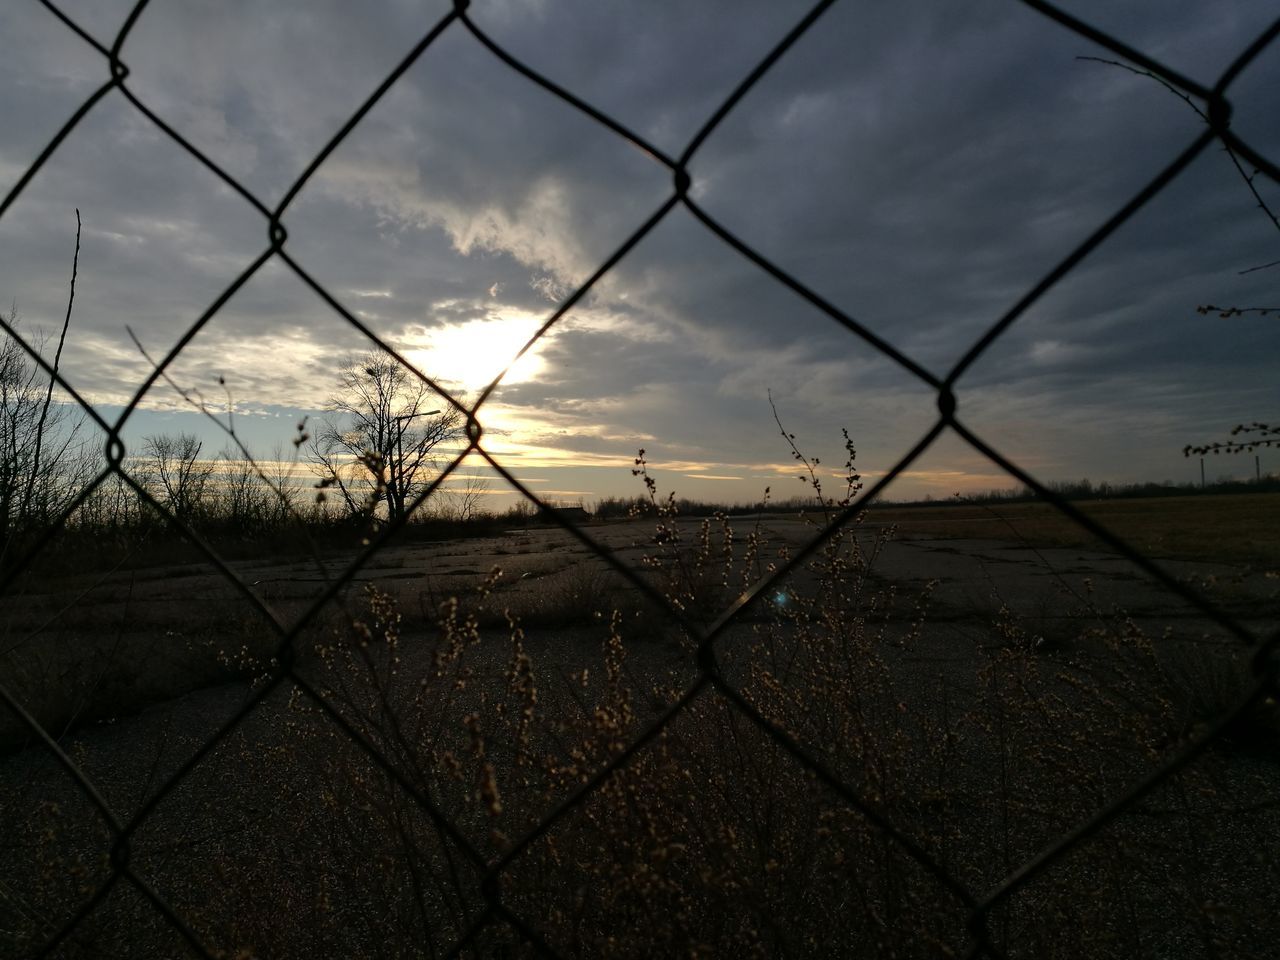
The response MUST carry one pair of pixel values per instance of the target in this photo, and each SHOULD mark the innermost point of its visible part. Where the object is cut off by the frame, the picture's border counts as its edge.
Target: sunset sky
(919, 165)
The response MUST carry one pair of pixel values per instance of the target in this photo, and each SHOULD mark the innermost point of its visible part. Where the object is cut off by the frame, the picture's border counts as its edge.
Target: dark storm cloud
(919, 165)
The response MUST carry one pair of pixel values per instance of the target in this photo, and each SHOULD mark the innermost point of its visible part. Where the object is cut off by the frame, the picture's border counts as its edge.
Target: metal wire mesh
(710, 676)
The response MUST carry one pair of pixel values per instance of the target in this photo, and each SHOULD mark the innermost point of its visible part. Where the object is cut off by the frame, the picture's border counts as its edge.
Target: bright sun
(469, 355)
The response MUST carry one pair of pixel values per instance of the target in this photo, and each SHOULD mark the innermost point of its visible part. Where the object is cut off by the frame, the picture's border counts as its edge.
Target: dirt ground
(150, 662)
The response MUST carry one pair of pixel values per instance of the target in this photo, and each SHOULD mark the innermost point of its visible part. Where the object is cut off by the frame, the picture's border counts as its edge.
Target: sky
(918, 165)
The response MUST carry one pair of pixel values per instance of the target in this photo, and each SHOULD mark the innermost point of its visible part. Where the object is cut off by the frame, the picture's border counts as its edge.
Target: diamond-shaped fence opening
(428, 802)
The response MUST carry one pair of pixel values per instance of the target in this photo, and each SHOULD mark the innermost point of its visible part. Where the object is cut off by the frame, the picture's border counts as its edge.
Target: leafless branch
(1248, 178)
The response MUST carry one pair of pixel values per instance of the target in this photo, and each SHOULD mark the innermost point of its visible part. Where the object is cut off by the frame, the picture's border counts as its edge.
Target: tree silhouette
(379, 446)
(171, 470)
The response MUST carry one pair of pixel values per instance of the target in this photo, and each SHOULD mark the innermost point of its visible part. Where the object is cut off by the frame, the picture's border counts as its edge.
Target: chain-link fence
(709, 677)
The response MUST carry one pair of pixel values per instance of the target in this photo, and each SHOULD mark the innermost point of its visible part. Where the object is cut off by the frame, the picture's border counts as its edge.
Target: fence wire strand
(709, 678)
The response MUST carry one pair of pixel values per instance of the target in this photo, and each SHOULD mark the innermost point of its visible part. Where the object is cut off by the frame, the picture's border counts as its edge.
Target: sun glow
(469, 355)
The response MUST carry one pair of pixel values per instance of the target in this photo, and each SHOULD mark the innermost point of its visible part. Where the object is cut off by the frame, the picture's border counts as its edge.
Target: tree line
(368, 461)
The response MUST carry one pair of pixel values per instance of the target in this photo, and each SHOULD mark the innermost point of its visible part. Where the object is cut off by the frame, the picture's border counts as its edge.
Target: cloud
(918, 166)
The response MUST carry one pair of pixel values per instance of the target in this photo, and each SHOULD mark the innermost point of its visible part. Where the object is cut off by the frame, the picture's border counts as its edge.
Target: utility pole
(1202, 473)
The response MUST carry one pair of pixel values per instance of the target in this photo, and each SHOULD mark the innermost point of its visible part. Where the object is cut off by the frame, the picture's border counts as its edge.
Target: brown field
(1238, 528)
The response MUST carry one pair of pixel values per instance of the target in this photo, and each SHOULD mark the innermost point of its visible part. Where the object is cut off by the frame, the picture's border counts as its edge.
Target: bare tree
(242, 502)
(43, 455)
(44, 458)
(19, 413)
(467, 496)
(380, 445)
(172, 472)
(252, 495)
(281, 488)
(113, 508)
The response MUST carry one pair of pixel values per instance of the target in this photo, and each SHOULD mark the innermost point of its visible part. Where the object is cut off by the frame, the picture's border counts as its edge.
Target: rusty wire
(1216, 110)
